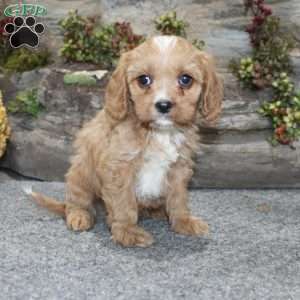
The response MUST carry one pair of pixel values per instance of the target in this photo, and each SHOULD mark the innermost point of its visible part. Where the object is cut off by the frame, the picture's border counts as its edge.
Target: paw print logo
(24, 32)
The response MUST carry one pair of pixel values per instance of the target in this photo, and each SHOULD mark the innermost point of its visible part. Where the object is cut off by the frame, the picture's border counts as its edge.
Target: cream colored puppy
(136, 154)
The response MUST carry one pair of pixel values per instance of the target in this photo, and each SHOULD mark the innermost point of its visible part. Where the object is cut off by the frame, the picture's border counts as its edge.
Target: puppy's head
(164, 82)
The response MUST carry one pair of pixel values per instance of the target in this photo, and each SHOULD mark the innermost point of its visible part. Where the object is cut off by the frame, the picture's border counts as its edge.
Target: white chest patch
(161, 151)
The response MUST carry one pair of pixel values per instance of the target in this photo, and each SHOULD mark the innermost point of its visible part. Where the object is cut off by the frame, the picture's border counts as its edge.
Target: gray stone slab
(235, 153)
(252, 251)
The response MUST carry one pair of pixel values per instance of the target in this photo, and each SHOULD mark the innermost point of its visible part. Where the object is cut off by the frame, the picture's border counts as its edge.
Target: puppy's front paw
(130, 235)
(190, 226)
(80, 220)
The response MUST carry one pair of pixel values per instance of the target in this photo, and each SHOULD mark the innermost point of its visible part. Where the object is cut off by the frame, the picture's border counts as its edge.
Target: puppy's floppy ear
(116, 94)
(212, 90)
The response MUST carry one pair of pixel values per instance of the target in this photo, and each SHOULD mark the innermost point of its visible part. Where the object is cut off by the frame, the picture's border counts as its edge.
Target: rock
(235, 153)
(219, 23)
(40, 148)
(4, 177)
(37, 153)
(246, 160)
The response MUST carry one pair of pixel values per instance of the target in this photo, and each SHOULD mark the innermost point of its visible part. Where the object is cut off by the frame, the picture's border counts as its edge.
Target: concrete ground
(253, 251)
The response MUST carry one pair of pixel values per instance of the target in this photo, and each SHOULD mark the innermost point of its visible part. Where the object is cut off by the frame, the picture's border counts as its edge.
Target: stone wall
(235, 153)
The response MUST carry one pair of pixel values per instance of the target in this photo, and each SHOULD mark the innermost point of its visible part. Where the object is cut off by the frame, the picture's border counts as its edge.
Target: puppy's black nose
(163, 106)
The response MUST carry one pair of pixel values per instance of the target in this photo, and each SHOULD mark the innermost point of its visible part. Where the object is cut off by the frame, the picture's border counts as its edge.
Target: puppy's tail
(50, 203)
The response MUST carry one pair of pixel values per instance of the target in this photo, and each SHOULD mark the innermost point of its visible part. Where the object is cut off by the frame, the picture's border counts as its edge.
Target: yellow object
(4, 127)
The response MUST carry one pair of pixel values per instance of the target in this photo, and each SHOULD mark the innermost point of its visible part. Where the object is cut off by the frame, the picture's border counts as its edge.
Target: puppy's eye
(185, 80)
(144, 80)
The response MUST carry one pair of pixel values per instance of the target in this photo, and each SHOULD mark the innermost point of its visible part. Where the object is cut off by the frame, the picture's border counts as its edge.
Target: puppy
(136, 154)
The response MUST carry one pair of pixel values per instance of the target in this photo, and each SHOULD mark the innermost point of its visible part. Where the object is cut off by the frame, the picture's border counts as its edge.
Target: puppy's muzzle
(164, 106)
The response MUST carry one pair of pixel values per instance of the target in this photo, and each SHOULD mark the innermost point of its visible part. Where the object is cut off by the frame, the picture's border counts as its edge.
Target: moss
(4, 127)
(26, 102)
(80, 79)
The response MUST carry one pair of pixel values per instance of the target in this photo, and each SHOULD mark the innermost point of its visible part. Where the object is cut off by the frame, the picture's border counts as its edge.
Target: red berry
(280, 130)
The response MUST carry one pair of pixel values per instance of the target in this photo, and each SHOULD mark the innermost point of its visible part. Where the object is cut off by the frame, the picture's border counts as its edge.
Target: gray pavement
(253, 251)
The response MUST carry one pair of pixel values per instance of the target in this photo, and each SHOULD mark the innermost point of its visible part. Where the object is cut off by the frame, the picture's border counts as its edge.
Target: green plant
(79, 39)
(26, 102)
(284, 111)
(23, 59)
(85, 40)
(169, 24)
(271, 46)
(269, 65)
(5, 48)
(113, 40)
(245, 70)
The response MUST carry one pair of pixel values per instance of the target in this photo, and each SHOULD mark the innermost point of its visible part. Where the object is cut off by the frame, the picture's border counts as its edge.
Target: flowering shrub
(4, 128)
(113, 40)
(270, 55)
(86, 41)
(79, 37)
(260, 14)
(269, 65)
(168, 24)
(284, 111)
